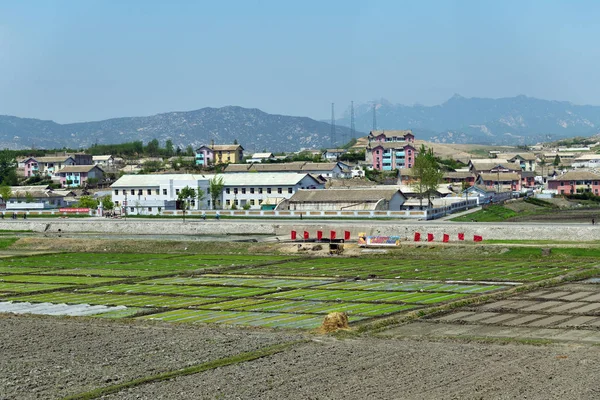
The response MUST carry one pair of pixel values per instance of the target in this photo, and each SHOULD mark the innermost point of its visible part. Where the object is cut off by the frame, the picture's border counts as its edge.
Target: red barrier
(417, 237)
(319, 235)
(430, 237)
(346, 235)
(446, 238)
(293, 234)
(332, 235)
(461, 236)
(306, 235)
(477, 238)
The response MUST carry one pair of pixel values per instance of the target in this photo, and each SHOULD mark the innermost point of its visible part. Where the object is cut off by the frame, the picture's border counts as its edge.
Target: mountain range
(506, 121)
(255, 130)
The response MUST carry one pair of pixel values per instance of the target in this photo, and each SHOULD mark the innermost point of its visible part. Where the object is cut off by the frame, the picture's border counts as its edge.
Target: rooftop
(343, 195)
(577, 176)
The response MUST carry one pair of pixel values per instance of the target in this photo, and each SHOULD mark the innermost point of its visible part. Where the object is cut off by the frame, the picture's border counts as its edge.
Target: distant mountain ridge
(253, 129)
(505, 121)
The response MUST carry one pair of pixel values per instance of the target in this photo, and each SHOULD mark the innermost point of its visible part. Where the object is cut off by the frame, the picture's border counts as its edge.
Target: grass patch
(194, 369)
(492, 213)
(7, 242)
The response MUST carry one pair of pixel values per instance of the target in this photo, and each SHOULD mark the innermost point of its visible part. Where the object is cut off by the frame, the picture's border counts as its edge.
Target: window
(132, 209)
(208, 203)
(149, 209)
(193, 203)
(132, 191)
(243, 190)
(139, 192)
(269, 190)
(236, 202)
(157, 191)
(259, 190)
(124, 192)
(252, 190)
(149, 191)
(289, 190)
(260, 201)
(235, 190)
(227, 190)
(165, 192)
(279, 190)
(252, 202)
(116, 204)
(228, 202)
(159, 209)
(176, 191)
(117, 192)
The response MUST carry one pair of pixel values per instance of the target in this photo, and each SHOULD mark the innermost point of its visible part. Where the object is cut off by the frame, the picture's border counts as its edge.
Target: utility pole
(352, 127)
(374, 117)
(332, 126)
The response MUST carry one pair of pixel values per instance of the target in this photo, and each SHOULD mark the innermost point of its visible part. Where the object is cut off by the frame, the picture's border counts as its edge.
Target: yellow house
(219, 154)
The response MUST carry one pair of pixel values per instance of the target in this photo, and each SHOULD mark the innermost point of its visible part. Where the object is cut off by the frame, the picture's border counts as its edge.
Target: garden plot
(132, 273)
(20, 270)
(411, 287)
(202, 291)
(365, 296)
(307, 307)
(129, 300)
(11, 287)
(69, 280)
(523, 271)
(569, 312)
(271, 320)
(215, 280)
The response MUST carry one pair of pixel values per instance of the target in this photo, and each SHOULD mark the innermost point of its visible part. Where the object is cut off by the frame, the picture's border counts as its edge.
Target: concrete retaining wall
(571, 232)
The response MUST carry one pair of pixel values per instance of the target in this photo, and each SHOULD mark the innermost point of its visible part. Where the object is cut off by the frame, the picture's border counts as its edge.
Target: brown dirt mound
(334, 321)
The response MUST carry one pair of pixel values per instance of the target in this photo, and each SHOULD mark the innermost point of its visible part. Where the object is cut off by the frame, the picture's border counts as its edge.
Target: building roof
(458, 174)
(335, 150)
(391, 145)
(480, 165)
(38, 194)
(128, 181)
(502, 176)
(343, 195)
(577, 176)
(298, 166)
(527, 174)
(587, 157)
(102, 158)
(523, 156)
(222, 147)
(53, 159)
(79, 168)
(388, 134)
(262, 155)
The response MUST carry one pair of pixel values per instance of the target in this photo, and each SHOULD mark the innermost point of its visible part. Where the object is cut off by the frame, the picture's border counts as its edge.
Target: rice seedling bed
(202, 291)
(71, 280)
(20, 270)
(410, 287)
(365, 296)
(301, 321)
(132, 273)
(412, 270)
(307, 307)
(125, 313)
(231, 281)
(29, 287)
(114, 299)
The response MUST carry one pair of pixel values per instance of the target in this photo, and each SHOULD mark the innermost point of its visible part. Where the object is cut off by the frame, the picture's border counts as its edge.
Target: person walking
(593, 221)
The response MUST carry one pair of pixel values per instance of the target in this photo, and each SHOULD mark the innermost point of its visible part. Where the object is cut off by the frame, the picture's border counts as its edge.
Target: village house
(575, 182)
(527, 161)
(587, 160)
(103, 161)
(333, 154)
(51, 165)
(501, 181)
(36, 197)
(260, 157)
(219, 154)
(389, 150)
(79, 175)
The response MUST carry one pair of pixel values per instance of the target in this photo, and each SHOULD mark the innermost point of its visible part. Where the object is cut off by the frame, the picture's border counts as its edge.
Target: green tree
(556, 161)
(28, 197)
(169, 148)
(200, 195)
(8, 168)
(189, 151)
(427, 174)
(87, 202)
(153, 148)
(107, 203)
(5, 193)
(216, 185)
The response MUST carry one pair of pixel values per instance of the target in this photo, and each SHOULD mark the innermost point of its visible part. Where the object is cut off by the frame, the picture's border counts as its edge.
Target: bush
(539, 202)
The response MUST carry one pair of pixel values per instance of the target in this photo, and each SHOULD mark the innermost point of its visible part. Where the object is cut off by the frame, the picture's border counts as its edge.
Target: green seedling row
(70, 280)
(410, 287)
(363, 296)
(105, 272)
(20, 270)
(29, 287)
(203, 291)
(240, 318)
(114, 300)
(308, 307)
(244, 282)
(125, 313)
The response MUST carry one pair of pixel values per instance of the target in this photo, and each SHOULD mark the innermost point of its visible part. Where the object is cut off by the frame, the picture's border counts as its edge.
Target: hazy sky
(87, 60)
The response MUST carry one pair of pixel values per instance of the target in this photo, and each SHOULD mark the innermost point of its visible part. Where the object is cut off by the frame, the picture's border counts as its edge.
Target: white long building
(153, 194)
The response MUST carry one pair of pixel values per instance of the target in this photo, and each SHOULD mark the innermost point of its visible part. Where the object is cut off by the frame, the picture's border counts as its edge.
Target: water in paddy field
(55, 309)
